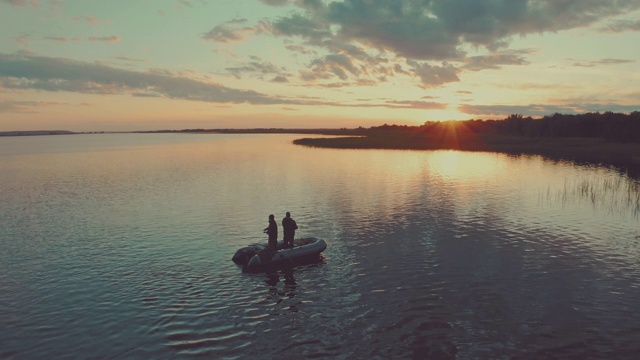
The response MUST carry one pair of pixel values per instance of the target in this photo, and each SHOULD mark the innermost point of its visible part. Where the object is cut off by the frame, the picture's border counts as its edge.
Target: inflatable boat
(258, 258)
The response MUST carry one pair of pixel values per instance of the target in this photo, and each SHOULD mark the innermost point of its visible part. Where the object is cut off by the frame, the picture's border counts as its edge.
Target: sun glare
(457, 165)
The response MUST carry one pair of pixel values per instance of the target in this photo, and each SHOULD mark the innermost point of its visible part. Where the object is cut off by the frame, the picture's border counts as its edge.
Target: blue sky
(89, 65)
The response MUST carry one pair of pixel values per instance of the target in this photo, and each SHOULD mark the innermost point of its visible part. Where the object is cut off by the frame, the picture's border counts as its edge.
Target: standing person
(289, 227)
(272, 231)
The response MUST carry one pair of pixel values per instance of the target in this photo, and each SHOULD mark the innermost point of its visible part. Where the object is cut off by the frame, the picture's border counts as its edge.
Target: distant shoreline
(37, 133)
(318, 131)
(586, 150)
(622, 155)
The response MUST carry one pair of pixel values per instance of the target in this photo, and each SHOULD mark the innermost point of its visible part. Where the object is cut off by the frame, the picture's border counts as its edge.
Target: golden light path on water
(119, 245)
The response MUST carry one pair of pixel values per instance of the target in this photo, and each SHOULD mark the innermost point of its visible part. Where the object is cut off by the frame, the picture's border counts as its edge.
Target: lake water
(120, 245)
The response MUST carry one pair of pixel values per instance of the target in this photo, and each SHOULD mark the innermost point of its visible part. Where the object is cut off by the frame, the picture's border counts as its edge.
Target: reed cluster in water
(613, 194)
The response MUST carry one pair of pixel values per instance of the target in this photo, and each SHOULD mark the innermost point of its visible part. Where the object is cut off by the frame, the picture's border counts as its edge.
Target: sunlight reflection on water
(120, 245)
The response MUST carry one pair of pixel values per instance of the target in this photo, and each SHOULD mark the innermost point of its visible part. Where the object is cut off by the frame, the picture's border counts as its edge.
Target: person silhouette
(272, 231)
(289, 227)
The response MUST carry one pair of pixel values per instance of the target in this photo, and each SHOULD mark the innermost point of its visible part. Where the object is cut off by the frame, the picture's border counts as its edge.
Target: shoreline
(623, 156)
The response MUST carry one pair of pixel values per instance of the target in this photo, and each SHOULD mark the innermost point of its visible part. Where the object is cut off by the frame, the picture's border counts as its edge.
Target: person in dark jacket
(272, 231)
(289, 227)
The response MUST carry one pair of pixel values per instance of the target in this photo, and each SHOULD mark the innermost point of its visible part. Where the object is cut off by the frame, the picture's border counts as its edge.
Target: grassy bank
(591, 150)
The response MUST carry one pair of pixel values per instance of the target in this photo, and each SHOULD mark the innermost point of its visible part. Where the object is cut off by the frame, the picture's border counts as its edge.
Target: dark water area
(119, 246)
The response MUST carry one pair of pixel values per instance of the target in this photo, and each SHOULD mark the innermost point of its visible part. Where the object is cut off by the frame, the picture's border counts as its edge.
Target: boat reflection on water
(282, 286)
(273, 278)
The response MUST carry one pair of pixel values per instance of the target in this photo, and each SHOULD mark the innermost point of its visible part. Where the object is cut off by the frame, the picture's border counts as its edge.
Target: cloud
(255, 67)
(22, 72)
(11, 106)
(190, 3)
(25, 72)
(129, 59)
(495, 61)
(542, 110)
(23, 40)
(107, 39)
(392, 104)
(613, 61)
(309, 4)
(505, 110)
(61, 39)
(423, 105)
(404, 28)
(622, 26)
(280, 79)
(53, 6)
(231, 32)
(301, 49)
(433, 35)
(603, 62)
(341, 84)
(337, 64)
(224, 33)
(33, 3)
(435, 30)
(276, 2)
(431, 76)
(89, 19)
(299, 25)
(608, 107)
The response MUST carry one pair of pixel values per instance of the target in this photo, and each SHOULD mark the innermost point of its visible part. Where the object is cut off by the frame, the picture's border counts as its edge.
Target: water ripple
(431, 254)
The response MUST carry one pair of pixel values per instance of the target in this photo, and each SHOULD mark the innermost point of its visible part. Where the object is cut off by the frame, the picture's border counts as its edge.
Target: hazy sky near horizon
(87, 65)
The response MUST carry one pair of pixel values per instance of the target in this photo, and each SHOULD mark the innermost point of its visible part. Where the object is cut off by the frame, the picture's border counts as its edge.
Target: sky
(121, 65)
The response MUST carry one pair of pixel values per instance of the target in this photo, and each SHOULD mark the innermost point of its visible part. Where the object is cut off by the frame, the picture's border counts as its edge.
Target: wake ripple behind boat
(258, 258)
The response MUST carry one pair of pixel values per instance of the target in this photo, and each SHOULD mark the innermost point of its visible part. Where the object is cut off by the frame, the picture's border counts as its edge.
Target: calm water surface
(119, 246)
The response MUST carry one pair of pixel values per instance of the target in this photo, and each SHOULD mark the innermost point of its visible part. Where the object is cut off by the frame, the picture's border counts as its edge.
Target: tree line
(614, 127)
